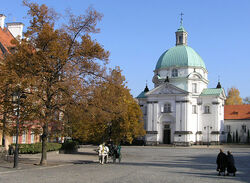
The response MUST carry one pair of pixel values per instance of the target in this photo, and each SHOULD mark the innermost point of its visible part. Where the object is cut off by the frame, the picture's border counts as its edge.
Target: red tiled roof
(5, 41)
(237, 111)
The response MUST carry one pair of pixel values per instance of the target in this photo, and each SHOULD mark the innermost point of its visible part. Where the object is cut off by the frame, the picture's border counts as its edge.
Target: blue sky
(137, 32)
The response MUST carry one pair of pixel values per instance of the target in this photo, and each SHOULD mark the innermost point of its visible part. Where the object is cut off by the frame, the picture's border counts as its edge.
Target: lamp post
(16, 100)
(208, 142)
(207, 136)
(17, 126)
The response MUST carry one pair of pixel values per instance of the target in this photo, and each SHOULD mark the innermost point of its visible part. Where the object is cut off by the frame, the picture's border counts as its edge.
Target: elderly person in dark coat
(221, 162)
(230, 164)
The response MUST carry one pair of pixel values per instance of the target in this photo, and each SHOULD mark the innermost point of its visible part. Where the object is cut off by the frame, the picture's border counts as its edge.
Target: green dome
(180, 56)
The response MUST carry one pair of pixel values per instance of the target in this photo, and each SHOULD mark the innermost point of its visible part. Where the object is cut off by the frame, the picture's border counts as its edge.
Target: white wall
(237, 125)
(16, 29)
(2, 19)
(182, 81)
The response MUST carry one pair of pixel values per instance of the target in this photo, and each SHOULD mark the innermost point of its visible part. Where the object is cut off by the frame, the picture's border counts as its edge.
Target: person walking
(221, 162)
(230, 164)
(103, 151)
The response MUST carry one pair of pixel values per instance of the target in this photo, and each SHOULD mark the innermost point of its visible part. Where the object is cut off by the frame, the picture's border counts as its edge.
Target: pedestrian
(103, 151)
(221, 162)
(106, 154)
(230, 164)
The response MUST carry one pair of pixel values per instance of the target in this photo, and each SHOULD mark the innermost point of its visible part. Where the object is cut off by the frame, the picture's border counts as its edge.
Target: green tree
(233, 97)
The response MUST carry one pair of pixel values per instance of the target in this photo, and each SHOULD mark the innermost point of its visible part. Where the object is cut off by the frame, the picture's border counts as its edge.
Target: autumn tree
(58, 63)
(13, 81)
(5, 99)
(233, 97)
(112, 113)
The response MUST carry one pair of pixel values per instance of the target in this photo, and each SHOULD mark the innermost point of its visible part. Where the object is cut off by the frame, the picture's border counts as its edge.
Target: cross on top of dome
(181, 18)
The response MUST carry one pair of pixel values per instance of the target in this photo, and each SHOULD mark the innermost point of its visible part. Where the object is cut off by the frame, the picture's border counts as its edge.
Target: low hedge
(70, 146)
(37, 147)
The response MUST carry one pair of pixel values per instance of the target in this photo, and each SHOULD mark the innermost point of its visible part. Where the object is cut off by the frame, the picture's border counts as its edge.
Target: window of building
(244, 129)
(24, 137)
(166, 126)
(194, 109)
(32, 137)
(228, 127)
(167, 108)
(145, 110)
(207, 110)
(194, 87)
(180, 39)
(14, 139)
(174, 73)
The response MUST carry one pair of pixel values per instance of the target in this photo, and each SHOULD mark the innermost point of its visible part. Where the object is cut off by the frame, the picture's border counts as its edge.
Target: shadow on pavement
(202, 166)
(84, 153)
(83, 162)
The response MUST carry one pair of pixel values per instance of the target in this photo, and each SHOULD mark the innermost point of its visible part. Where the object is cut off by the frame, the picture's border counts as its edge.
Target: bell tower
(181, 34)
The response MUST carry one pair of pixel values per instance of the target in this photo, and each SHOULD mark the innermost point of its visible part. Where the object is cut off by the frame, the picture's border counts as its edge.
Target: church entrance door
(167, 135)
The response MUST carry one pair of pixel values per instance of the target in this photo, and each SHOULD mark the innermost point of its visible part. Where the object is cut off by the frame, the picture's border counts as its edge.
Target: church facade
(181, 109)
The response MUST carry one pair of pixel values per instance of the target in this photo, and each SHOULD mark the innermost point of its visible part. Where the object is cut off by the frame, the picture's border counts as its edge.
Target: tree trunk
(4, 126)
(4, 116)
(43, 161)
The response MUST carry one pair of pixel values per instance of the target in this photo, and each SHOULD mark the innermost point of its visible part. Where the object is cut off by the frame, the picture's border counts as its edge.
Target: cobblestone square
(139, 165)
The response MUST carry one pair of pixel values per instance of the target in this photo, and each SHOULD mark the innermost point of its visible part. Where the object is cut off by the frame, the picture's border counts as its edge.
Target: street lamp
(16, 99)
(208, 135)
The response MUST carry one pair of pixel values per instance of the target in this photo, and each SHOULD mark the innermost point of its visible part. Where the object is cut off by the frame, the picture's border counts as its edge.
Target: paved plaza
(139, 165)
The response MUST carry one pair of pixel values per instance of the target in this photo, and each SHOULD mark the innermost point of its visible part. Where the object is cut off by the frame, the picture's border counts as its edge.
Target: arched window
(174, 73)
(24, 137)
(181, 39)
(13, 139)
(243, 128)
(32, 137)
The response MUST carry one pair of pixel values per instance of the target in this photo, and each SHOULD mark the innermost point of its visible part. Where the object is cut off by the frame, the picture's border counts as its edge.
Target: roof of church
(180, 56)
(237, 111)
(211, 91)
(5, 41)
(142, 95)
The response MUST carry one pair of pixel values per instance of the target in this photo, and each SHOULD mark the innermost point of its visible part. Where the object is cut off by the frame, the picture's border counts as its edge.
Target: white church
(181, 109)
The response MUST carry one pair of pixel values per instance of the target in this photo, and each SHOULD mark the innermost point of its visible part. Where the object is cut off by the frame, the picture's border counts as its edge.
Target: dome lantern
(181, 34)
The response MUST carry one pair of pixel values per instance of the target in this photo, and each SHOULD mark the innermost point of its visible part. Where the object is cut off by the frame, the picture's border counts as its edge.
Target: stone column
(149, 117)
